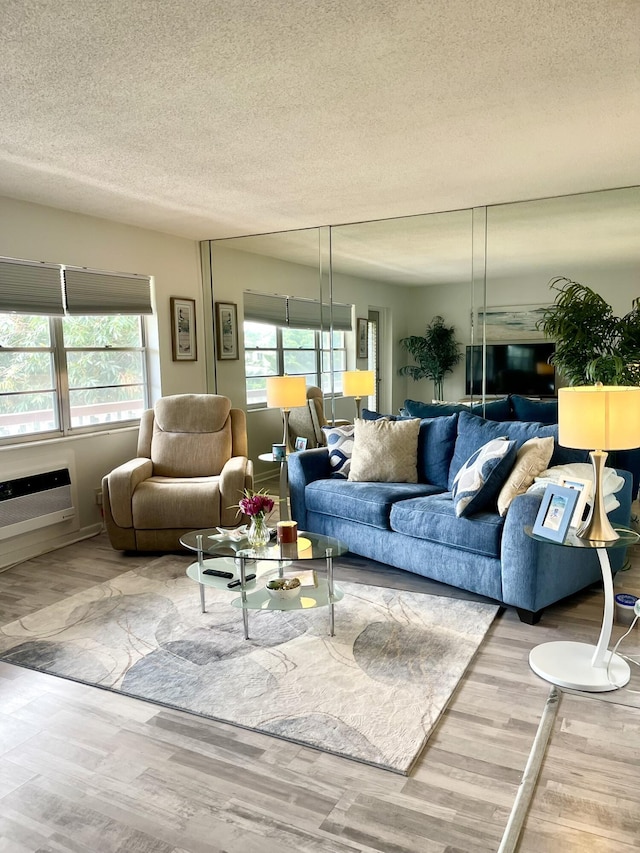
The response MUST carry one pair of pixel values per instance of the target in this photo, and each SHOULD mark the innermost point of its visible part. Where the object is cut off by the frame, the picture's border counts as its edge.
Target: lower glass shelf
(309, 597)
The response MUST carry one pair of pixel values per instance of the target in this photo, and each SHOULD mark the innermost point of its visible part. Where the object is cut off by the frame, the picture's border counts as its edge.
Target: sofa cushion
(436, 441)
(473, 432)
(494, 410)
(533, 457)
(340, 446)
(477, 483)
(385, 451)
(368, 503)
(368, 415)
(542, 411)
(433, 518)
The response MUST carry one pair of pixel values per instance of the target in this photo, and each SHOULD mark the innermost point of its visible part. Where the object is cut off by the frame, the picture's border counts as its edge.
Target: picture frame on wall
(555, 513)
(362, 329)
(227, 331)
(183, 329)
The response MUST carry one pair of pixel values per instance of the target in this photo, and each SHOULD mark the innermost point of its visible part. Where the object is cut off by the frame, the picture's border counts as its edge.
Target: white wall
(34, 232)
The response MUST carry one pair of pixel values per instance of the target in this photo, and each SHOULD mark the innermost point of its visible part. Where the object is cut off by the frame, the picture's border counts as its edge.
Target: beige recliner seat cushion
(163, 502)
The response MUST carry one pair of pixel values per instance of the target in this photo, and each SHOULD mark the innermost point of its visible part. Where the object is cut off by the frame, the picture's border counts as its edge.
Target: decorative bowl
(284, 589)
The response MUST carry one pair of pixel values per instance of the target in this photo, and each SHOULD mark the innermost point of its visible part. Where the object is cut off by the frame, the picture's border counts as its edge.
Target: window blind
(295, 313)
(93, 292)
(30, 288)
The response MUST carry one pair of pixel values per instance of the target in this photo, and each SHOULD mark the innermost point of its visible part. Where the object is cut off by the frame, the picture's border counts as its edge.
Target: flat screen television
(512, 369)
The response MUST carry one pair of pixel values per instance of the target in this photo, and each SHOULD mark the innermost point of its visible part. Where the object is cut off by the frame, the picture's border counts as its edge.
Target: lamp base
(570, 665)
(597, 527)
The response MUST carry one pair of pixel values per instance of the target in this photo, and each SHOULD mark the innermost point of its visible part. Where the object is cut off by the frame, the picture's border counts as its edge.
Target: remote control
(217, 573)
(238, 581)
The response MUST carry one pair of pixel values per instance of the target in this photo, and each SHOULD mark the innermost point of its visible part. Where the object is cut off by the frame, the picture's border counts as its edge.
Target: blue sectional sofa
(413, 526)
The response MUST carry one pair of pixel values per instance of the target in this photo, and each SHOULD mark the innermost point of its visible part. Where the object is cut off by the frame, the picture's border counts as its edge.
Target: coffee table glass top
(309, 546)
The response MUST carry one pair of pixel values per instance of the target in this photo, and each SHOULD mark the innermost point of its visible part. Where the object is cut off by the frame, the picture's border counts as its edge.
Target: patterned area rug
(372, 693)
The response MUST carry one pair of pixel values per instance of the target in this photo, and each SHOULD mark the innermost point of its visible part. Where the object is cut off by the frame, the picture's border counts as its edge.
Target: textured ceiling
(211, 119)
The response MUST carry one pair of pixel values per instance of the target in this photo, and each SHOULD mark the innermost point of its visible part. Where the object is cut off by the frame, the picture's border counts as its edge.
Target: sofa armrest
(535, 574)
(122, 482)
(303, 468)
(232, 483)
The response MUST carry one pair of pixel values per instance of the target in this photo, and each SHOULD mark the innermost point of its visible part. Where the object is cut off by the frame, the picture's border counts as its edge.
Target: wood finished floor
(87, 771)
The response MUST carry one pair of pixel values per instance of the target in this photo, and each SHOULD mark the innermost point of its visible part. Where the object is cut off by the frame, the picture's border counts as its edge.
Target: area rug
(372, 693)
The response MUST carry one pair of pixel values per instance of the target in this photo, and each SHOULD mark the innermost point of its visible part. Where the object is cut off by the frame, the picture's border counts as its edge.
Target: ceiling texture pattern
(215, 119)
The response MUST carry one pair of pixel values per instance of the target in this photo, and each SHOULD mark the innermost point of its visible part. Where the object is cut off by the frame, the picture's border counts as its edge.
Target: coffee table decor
(373, 693)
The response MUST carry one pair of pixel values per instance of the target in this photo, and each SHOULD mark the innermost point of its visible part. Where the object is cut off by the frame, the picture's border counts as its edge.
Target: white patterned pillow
(340, 445)
(385, 451)
(477, 483)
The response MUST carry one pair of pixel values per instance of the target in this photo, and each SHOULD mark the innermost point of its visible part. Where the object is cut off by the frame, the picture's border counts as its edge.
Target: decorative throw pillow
(477, 483)
(385, 451)
(532, 459)
(340, 446)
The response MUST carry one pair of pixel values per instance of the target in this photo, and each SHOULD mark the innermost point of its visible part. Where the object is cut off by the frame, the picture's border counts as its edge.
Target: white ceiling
(212, 119)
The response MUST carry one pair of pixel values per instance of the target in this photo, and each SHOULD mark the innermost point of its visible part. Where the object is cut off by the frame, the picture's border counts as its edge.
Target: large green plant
(592, 344)
(436, 354)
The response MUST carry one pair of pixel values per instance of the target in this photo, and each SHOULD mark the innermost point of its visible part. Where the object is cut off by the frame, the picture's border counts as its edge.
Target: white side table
(283, 500)
(581, 666)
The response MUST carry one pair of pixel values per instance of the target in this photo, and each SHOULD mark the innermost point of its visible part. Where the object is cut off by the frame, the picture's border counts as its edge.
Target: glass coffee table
(227, 563)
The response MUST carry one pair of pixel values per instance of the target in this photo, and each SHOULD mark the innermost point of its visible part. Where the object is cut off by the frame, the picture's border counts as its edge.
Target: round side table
(283, 500)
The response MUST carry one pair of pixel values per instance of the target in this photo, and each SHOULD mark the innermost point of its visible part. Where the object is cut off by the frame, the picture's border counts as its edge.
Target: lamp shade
(357, 383)
(286, 392)
(601, 417)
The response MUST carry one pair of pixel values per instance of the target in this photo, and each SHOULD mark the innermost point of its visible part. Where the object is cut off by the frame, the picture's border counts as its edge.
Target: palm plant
(436, 354)
(592, 344)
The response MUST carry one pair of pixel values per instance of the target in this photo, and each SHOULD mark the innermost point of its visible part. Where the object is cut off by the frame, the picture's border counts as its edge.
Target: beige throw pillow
(385, 451)
(532, 459)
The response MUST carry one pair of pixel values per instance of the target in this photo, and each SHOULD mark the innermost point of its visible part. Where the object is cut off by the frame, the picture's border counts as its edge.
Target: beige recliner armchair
(191, 468)
(307, 421)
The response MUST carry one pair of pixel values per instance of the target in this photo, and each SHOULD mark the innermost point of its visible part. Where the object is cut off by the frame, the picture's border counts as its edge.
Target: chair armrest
(235, 477)
(123, 482)
(303, 468)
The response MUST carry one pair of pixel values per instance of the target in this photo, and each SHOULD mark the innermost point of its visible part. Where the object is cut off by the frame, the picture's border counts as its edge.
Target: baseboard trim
(22, 550)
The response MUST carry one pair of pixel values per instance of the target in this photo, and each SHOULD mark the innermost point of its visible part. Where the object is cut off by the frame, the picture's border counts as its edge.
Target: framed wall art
(226, 331)
(183, 329)
(362, 328)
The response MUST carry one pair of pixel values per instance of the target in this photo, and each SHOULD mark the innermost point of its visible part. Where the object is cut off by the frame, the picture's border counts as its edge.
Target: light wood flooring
(87, 771)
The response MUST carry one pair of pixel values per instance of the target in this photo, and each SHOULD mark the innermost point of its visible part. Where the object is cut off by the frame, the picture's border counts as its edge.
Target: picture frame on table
(301, 443)
(226, 321)
(583, 487)
(555, 513)
(183, 329)
(362, 329)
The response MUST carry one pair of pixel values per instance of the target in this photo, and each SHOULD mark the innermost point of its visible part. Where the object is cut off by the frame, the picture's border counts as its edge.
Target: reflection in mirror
(405, 271)
(591, 238)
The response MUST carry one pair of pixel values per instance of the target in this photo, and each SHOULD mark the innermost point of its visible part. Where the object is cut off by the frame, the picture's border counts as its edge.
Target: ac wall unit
(36, 500)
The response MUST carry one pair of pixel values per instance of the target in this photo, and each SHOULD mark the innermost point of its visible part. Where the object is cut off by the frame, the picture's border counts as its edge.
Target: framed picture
(226, 331)
(363, 337)
(183, 329)
(555, 513)
(583, 487)
(301, 443)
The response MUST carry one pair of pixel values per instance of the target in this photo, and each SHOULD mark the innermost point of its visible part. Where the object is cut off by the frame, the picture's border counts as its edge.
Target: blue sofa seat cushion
(434, 518)
(474, 432)
(367, 503)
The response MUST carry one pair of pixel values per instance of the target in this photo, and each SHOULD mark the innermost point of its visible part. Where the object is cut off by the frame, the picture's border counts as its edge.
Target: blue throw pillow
(368, 415)
(542, 411)
(436, 440)
(478, 482)
(416, 409)
(495, 410)
(473, 432)
(340, 446)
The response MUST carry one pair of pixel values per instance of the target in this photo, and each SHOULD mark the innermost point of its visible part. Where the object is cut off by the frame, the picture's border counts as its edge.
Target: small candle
(287, 531)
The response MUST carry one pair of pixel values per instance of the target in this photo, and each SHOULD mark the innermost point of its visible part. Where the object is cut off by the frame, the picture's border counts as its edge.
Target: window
(76, 372)
(273, 351)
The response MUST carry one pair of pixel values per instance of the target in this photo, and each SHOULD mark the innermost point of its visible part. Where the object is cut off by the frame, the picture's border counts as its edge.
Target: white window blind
(295, 313)
(91, 292)
(30, 288)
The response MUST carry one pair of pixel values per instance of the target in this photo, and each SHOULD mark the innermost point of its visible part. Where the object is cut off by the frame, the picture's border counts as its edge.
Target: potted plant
(592, 344)
(436, 353)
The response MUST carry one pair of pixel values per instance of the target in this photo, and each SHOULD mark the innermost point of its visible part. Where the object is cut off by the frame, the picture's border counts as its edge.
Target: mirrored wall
(486, 271)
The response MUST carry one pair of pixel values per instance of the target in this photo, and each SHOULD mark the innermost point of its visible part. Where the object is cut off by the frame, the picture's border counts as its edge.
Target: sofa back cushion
(541, 411)
(473, 432)
(436, 441)
(494, 410)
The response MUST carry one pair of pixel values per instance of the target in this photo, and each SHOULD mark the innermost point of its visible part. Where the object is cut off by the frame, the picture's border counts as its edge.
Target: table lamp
(358, 384)
(599, 418)
(286, 392)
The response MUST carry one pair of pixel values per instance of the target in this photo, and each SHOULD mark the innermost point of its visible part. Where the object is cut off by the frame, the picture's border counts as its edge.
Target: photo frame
(183, 329)
(226, 331)
(362, 329)
(301, 443)
(555, 513)
(583, 487)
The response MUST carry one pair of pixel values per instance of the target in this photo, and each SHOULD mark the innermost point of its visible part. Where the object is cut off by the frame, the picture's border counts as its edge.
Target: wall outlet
(98, 494)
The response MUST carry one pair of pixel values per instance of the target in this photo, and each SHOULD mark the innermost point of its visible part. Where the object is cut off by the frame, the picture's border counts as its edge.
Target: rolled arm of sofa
(235, 477)
(303, 468)
(123, 482)
(536, 574)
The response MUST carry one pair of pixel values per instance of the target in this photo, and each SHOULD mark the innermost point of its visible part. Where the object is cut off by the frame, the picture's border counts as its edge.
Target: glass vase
(258, 532)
